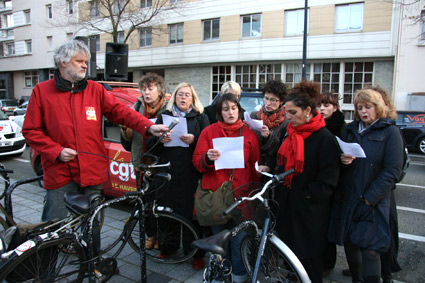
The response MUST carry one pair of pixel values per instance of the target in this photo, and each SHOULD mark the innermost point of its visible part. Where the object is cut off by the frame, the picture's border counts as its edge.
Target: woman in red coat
(228, 125)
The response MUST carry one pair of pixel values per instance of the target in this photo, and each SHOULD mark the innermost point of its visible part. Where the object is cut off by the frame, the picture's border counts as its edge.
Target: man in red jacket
(63, 123)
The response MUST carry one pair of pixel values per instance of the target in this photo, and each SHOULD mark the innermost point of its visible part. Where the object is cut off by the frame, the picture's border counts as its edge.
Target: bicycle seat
(80, 204)
(215, 244)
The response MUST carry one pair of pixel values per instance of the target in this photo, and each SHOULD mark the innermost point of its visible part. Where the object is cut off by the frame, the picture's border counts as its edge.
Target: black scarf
(65, 85)
(335, 122)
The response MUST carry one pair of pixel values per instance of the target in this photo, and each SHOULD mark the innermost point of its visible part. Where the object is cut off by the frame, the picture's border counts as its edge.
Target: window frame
(299, 30)
(10, 49)
(70, 7)
(422, 23)
(32, 77)
(177, 40)
(49, 11)
(211, 22)
(143, 36)
(120, 37)
(94, 9)
(251, 25)
(145, 4)
(9, 21)
(49, 39)
(27, 16)
(348, 18)
(28, 46)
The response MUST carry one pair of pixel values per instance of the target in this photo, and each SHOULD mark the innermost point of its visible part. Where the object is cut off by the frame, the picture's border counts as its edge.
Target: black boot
(387, 279)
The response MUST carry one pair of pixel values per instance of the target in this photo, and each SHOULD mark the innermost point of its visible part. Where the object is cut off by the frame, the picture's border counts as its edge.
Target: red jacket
(57, 119)
(212, 179)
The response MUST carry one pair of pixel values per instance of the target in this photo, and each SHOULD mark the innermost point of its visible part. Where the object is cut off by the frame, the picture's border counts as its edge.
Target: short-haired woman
(360, 221)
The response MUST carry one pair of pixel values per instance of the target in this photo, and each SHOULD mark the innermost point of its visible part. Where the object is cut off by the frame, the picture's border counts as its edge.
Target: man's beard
(75, 76)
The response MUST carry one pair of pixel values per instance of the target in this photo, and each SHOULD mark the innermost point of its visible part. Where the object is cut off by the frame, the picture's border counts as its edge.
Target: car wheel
(421, 145)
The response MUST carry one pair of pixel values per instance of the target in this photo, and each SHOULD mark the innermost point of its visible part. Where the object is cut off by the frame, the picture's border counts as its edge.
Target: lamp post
(305, 41)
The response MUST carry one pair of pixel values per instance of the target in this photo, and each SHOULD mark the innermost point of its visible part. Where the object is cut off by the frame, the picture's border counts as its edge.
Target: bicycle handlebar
(6, 170)
(273, 181)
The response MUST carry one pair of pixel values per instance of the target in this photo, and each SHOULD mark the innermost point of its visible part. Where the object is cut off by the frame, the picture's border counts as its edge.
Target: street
(410, 199)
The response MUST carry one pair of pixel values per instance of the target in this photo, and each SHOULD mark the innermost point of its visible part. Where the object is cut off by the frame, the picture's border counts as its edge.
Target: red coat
(212, 179)
(57, 119)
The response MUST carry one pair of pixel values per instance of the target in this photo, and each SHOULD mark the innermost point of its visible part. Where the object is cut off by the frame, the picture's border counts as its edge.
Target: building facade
(207, 42)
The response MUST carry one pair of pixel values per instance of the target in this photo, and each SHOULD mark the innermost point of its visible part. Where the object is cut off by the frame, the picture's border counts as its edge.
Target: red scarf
(291, 152)
(271, 120)
(230, 130)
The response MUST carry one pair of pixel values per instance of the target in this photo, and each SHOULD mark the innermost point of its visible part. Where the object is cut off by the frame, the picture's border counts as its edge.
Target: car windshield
(3, 116)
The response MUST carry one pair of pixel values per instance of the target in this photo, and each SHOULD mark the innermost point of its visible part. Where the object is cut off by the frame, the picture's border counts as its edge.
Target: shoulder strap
(137, 105)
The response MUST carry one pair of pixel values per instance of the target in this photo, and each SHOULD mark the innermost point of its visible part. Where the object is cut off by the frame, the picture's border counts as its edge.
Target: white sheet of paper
(231, 153)
(178, 130)
(252, 123)
(351, 148)
(264, 173)
(153, 120)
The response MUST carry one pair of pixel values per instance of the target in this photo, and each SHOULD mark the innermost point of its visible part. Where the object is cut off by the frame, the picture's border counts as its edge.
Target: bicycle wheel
(174, 234)
(279, 263)
(50, 261)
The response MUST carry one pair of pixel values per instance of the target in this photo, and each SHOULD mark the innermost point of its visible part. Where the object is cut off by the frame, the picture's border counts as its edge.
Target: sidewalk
(27, 203)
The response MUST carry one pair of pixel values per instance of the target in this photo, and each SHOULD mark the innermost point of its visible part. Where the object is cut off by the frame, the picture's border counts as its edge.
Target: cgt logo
(122, 169)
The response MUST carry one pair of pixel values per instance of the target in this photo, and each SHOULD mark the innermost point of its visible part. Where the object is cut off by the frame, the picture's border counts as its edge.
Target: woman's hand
(187, 138)
(167, 137)
(347, 159)
(264, 168)
(265, 131)
(213, 154)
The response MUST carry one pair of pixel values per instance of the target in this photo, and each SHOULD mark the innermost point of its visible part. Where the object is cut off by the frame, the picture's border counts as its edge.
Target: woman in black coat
(305, 198)
(360, 220)
(184, 177)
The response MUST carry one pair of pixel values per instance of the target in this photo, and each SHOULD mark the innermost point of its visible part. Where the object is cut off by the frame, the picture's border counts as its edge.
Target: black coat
(371, 178)
(184, 177)
(302, 223)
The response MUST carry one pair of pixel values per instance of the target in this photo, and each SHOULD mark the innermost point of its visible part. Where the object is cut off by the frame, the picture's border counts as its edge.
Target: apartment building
(207, 42)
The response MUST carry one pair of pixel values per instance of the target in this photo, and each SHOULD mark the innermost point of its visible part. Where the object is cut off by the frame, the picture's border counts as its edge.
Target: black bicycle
(68, 249)
(265, 256)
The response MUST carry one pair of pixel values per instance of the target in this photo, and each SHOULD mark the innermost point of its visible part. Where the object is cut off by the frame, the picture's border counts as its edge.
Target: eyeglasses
(185, 94)
(272, 100)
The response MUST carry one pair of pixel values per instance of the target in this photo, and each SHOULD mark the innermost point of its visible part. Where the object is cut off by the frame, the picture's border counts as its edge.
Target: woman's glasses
(185, 94)
(272, 100)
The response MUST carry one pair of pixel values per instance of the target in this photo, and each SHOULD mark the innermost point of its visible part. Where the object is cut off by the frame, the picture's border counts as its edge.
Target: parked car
(412, 126)
(8, 106)
(121, 177)
(12, 142)
(250, 99)
(21, 109)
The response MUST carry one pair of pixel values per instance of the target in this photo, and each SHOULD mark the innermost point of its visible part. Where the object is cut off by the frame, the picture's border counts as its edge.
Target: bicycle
(265, 256)
(67, 250)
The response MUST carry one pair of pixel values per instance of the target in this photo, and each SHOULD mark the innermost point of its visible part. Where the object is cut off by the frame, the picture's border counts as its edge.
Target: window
(10, 48)
(70, 6)
(8, 3)
(211, 29)
(118, 6)
(246, 75)
(176, 33)
(27, 16)
(145, 37)
(327, 74)
(31, 78)
(267, 72)
(49, 43)
(349, 17)
(145, 3)
(69, 36)
(28, 46)
(220, 75)
(120, 37)
(294, 72)
(49, 11)
(357, 75)
(423, 25)
(97, 43)
(175, 1)
(94, 8)
(9, 20)
(251, 25)
(51, 74)
(294, 22)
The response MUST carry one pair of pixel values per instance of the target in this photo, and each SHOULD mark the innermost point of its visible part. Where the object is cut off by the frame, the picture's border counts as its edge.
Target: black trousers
(365, 265)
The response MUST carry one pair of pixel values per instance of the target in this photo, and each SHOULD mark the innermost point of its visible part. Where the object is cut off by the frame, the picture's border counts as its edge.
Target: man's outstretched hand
(157, 130)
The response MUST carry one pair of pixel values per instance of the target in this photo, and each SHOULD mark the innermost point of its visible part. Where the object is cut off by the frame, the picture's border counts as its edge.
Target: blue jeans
(234, 253)
(54, 206)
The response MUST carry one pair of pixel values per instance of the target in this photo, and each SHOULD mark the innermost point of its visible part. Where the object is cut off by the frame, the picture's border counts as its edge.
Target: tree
(113, 16)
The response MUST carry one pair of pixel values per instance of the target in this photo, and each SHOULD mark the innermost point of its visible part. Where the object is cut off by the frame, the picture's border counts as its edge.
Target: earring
(308, 118)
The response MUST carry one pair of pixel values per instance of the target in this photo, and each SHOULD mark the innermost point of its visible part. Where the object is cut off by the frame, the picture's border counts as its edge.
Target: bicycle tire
(4, 184)
(49, 261)
(163, 220)
(278, 264)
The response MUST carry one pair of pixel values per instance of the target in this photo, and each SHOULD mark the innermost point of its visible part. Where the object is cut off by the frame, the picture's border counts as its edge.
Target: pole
(305, 41)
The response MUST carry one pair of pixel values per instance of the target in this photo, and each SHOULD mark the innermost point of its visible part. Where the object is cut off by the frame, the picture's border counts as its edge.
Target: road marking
(410, 209)
(412, 186)
(411, 237)
(417, 163)
(21, 160)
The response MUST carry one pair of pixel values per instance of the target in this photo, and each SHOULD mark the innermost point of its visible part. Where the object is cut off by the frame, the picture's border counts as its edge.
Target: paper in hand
(353, 149)
(257, 168)
(231, 153)
(178, 130)
(253, 124)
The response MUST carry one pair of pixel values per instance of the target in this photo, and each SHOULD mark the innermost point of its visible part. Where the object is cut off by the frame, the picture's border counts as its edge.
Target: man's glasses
(272, 100)
(185, 94)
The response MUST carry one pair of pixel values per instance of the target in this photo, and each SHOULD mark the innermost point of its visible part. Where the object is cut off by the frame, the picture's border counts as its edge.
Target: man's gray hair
(65, 52)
